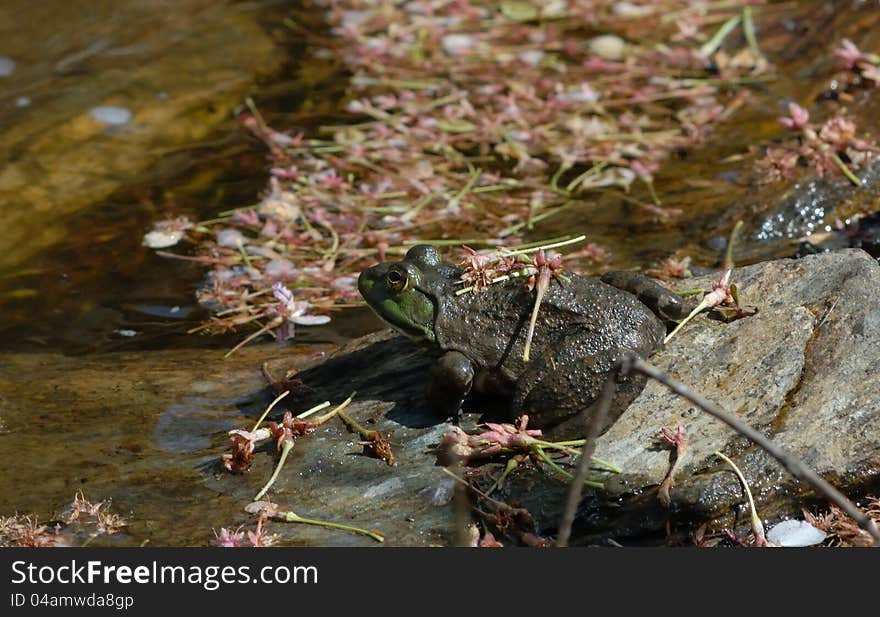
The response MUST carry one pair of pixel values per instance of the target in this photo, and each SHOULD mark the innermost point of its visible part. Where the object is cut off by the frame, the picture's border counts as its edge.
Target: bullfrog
(584, 326)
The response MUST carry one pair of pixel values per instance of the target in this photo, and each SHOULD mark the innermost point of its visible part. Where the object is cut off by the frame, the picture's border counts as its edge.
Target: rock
(802, 370)
(802, 364)
(608, 47)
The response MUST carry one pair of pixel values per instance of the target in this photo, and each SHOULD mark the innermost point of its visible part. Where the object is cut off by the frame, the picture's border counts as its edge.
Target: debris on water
(543, 123)
(23, 101)
(795, 533)
(112, 115)
(167, 233)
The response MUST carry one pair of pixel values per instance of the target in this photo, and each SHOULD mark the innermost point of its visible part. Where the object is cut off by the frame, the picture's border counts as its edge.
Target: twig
(575, 489)
(793, 464)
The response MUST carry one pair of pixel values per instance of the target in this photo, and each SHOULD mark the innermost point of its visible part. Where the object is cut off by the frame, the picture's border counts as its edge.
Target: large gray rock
(802, 371)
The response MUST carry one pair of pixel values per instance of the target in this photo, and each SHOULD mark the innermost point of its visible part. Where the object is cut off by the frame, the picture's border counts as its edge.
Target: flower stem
(731, 239)
(540, 289)
(292, 517)
(269, 408)
(846, 170)
(712, 45)
(286, 447)
(703, 304)
(543, 456)
(757, 525)
(749, 32)
(512, 464)
(314, 409)
(336, 410)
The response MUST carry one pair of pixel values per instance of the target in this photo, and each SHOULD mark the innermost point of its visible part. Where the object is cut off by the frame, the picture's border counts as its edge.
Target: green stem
(269, 408)
(566, 446)
(540, 288)
(314, 409)
(592, 170)
(712, 45)
(506, 277)
(256, 113)
(355, 425)
(543, 455)
(653, 192)
(703, 304)
(331, 413)
(512, 464)
(731, 240)
(293, 517)
(286, 447)
(749, 32)
(554, 181)
(554, 245)
(846, 170)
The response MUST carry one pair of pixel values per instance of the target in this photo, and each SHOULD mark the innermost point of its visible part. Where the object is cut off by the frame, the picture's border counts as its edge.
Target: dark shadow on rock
(381, 367)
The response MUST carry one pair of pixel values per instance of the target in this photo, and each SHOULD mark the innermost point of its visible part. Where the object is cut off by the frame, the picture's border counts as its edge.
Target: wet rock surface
(800, 370)
(148, 429)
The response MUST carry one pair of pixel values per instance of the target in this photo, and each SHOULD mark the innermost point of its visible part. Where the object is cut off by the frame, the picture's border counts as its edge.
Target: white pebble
(457, 44)
(162, 239)
(111, 114)
(608, 46)
(7, 66)
(795, 533)
(23, 101)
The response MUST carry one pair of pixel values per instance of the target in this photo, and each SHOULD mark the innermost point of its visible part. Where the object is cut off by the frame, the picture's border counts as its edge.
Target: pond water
(126, 115)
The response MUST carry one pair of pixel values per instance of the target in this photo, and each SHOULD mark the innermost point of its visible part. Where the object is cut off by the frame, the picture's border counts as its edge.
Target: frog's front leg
(449, 383)
(666, 304)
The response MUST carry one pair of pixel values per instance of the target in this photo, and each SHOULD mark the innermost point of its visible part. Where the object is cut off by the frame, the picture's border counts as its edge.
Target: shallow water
(101, 389)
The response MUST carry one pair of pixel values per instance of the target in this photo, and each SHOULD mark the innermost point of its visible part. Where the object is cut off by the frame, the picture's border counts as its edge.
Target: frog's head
(403, 293)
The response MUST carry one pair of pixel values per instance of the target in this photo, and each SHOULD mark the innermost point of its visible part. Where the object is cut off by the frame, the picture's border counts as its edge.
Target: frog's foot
(666, 304)
(450, 383)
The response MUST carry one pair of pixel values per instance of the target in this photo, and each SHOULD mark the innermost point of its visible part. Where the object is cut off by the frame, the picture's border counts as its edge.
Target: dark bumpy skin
(583, 328)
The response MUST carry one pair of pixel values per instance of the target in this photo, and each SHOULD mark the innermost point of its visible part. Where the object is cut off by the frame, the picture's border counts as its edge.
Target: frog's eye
(396, 280)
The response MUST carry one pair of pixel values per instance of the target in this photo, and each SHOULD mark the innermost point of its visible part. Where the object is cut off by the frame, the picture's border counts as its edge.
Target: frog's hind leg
(561, 392)
(666, 304)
